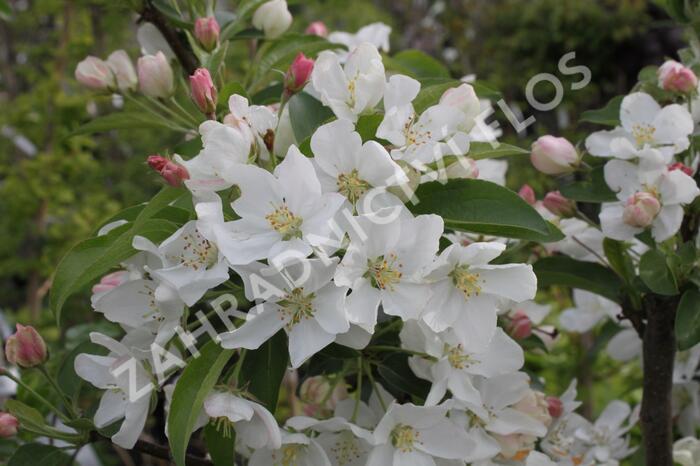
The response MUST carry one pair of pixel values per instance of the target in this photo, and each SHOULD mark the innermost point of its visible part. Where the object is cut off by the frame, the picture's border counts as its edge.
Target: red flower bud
(206, 30)
(26, 348)
(554, 406)
(298, 74)
(317, 28)
(203, 91)
(520, 326)
(682, 167)
(528, 194)
(558, 204)
(8, 425)
(173, 173)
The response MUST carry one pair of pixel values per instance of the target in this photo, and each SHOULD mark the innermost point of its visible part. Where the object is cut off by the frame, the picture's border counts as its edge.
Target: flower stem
(31, 391)
(382, 348)
(358, 390)
(66, 401)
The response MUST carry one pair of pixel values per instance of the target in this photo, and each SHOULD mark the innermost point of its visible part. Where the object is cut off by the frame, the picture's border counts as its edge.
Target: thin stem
(375, 388)
(239, 365)
(184, 111)
(273, 157)
(400, 350)
(31, 391)
(169, 111)
(165, 122)
(66, 401)
(358, 390)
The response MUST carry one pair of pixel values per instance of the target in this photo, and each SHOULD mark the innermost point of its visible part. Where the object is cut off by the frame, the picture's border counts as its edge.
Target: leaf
(38, 454)
(656, 273)
(307, 114)
(5, 10)
(594, 189)
(263, 370)
(243, 12)
(220, 447)
(269, 95)
(66, 377)
(396, 375)
(589, 276)
(120, 120)
(416, 64)
(608, 115)
(171, 13)
(193, 386)
(481, 207)
(94, 257)
(688, 320)
(619, 259)
(367, 126)
(484, 150)
(230, 89)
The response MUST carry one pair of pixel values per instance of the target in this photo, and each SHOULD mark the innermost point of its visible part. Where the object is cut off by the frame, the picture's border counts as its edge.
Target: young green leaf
(688, 320)
(263, 370)
(594, 189)
(608, 115)
(38, 454)
(307, 114)
(656, 273)
(416, 64)
(589, 276)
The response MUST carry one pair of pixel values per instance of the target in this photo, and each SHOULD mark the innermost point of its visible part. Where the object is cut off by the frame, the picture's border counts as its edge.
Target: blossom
(606, 437)
(257, 122)
(416, 435)
(273, 18)
(206, 30)
(467, 290)
(127, 388)
(203, 91)
(376, 34)
(644, 124)
(295, 449)
(557, 204)
(26, 348)
(155, 75)
(463, 98)
(172, 172)
(589, 309)
(354, 88)
(8, 425)
(95, 74)
(281, 210)
(298, 74)
(676, 77)
(317, 28)
(686, 451)
(124, 72)
(299, 297)
(554, 156)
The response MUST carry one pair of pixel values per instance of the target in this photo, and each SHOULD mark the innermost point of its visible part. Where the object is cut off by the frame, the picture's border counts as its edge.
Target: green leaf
(618, 258)
(66, 377)
(480, 207)
(38, 454)
(484, 150)
(33, 421)
(120, 120)
(367, 126)
(244, 10)
(220, 447)
(263, 370)
(608, 115)
(688, 320)
(397, 377)
(94, 257)
(5, 10)
(307, 114)
(193, 386)
(269, 95)
(589, 276)
(165, 7)
(230, 89)
(416, 64)
(594, 189)
(656, 273)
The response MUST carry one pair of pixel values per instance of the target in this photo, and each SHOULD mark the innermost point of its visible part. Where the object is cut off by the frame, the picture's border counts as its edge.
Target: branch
(176, 40)
(157, 451)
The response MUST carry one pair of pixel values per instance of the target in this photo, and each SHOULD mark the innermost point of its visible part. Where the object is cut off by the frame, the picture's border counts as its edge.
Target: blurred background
(56, 186)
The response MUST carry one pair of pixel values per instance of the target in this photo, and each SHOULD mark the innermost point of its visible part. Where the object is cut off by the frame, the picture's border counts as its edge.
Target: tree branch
(176, 40)
(157, 451)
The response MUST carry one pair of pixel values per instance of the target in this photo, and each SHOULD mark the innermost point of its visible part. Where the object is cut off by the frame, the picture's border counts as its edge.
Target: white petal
(306, 339)
(255, 331)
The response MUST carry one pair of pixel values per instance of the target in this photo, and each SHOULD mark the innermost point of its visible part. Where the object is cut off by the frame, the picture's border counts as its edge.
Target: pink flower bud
(298, 74)
(528, 194)
(682, 167)
(317, 28)
(554, 156)
(8, 425)
(26, 348)
(110, 281)
(555, 406)
(203, 91)
(95, 74)
(558, 204)
(173, 173)
(319, 395)
(155, 76)
(675, 77)
(206, 30)
(124, 72)
(520, 326)
(641, 209)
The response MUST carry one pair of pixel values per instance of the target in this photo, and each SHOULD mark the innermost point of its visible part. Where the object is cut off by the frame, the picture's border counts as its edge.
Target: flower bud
(8, 425)
(173, 173)
(463, 98)
(317, 28)
(206, 30)
(558, 204)
(527, 194)
(124, 72)
(682, 167)
(675, 77)
(535, 405)
(110, 281)
(520, 326)
(641, 209)
(555, 406)
(318, 395)
(464, 167)
(273, 18)
(95, 74)
(26, 348)
(298, 74)
(554, 156)
(155, 75)
(203, 91)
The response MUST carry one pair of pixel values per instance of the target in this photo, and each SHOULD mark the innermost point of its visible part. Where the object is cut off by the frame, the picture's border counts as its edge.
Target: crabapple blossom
(124, 72)
(155, 75)
(295, 449)
(25, 347)
(558, 204)
(317, 28)
(203, 91)
(676, 77)
(95, 74)
(273, 18)
(298, 74)
(207, 30)
(376, 34)
(554, 156)
(172, 172)
(8, 425)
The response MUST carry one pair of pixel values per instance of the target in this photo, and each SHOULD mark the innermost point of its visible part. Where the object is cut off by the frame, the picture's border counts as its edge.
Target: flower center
(352, 186)
(285, 223)
(223, 425)
(465, 281)
(351, 90)
(197, 252)
(290, 455)
(456, 357)
(345, 450)
(298, 306)
(643, 133)
(403, 437)
(383, 272)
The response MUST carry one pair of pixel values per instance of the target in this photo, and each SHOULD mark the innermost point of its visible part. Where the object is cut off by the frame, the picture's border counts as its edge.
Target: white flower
(686, 451)
(255, 426)
(376, 34)
(625, 345)
(536, 458)
(644, 124)
(685, 398)
(384, 267)
(420, 139)
(492, 170)
(255, 121)
(459, 361)
(280, 211)
(651, 195)
(589, 309)
(581, 238)
(296, 449)
(117, 402)
(347, 166)
(605, 438)
(415, 435)
(299, 297)
(273, 18)
(352, 89)
(467, 291)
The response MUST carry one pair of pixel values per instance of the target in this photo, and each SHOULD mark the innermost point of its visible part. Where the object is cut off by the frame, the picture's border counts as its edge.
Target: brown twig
(157, 451)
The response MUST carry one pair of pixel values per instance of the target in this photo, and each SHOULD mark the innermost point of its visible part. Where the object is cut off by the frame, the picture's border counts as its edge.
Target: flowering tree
(337, 233)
